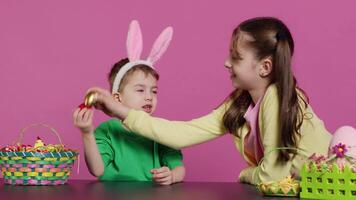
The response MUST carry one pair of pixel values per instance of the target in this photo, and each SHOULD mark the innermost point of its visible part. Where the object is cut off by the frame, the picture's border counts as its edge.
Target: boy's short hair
(117, 66)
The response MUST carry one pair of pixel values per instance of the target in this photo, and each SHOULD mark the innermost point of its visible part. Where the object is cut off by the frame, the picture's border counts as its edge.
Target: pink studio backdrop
(51, 52)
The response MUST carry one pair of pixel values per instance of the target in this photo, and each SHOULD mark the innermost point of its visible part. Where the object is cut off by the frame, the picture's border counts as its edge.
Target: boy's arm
(165, 176)
(92, 156)
(178, 174)
(83, 119)
(173, 159)
(173, 170)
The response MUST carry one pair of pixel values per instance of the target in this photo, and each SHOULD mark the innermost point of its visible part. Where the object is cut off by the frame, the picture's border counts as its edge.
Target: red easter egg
(81, 106)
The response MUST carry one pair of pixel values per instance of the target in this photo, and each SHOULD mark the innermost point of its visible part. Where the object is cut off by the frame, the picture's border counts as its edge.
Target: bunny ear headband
(134, 47)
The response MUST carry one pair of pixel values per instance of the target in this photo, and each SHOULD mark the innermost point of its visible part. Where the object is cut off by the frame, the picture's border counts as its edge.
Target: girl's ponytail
(288, 98)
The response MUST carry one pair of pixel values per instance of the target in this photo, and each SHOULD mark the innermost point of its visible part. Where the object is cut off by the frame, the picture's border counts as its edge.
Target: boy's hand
(103, 100)
(83, 119)
(162, 176)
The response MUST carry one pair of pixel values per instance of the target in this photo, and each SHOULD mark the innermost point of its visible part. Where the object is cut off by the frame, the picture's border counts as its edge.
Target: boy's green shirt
(130, 157)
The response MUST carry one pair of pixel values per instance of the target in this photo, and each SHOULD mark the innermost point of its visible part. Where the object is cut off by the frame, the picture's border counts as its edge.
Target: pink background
(51, 52)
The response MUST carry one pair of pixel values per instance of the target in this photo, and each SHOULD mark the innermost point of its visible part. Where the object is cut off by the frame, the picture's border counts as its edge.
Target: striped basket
(36, 168)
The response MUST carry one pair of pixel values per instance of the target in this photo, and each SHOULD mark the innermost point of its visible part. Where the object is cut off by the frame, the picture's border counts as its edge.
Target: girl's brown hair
(271, 38)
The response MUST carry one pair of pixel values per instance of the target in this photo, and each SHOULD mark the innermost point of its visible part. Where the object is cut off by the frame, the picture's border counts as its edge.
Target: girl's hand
(162, 176)
(103, 100)
(83, 119)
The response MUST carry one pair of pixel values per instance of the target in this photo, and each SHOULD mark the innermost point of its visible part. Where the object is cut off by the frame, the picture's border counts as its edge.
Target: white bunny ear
(134, 41)
(161, 44)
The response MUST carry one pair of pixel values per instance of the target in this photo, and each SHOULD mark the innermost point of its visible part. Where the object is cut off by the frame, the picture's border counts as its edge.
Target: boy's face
(140, 92)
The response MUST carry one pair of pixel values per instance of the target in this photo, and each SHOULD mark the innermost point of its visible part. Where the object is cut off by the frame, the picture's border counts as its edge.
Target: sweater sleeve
(270, 168)
(177, 134)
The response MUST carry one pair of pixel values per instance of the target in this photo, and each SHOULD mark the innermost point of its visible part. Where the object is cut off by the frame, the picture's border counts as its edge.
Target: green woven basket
(328, 184)
(36, 168)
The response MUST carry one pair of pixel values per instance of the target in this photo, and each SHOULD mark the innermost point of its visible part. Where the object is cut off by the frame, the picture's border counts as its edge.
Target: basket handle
(19, 140)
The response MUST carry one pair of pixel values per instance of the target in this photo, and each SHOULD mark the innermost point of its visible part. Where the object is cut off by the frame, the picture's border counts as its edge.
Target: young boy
(112, 152)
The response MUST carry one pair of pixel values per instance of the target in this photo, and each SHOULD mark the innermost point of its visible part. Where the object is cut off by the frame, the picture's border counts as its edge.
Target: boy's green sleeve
(104, 144)
(170, 157)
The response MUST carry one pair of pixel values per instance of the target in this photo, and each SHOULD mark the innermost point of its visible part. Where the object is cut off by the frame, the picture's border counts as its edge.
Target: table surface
(86, 189)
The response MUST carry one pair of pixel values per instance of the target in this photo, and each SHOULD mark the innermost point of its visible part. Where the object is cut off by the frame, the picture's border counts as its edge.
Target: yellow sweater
(178, 134)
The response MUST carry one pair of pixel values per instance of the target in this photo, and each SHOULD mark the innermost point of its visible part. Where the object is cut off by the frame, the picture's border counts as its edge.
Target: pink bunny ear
(134, 41)
(161, 44)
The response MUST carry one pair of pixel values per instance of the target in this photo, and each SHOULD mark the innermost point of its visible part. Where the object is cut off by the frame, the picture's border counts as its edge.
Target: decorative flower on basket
(338, 157)
(39, 164)
(343, 148)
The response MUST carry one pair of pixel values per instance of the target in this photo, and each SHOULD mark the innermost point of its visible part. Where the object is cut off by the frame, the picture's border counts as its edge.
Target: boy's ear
(265, 67)
(117, 96)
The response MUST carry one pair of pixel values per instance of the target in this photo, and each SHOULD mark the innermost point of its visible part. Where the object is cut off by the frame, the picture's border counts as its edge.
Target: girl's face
(243, 66)
(140, 92)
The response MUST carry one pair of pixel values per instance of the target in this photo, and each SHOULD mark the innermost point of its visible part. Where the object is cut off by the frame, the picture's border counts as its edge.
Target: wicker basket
(37, 168)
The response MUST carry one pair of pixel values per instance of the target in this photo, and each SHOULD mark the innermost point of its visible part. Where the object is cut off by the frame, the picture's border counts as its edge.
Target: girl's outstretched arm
(175, 134)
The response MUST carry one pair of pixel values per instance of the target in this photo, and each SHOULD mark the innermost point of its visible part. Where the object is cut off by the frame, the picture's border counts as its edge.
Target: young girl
(111, 151)
(267, 113)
